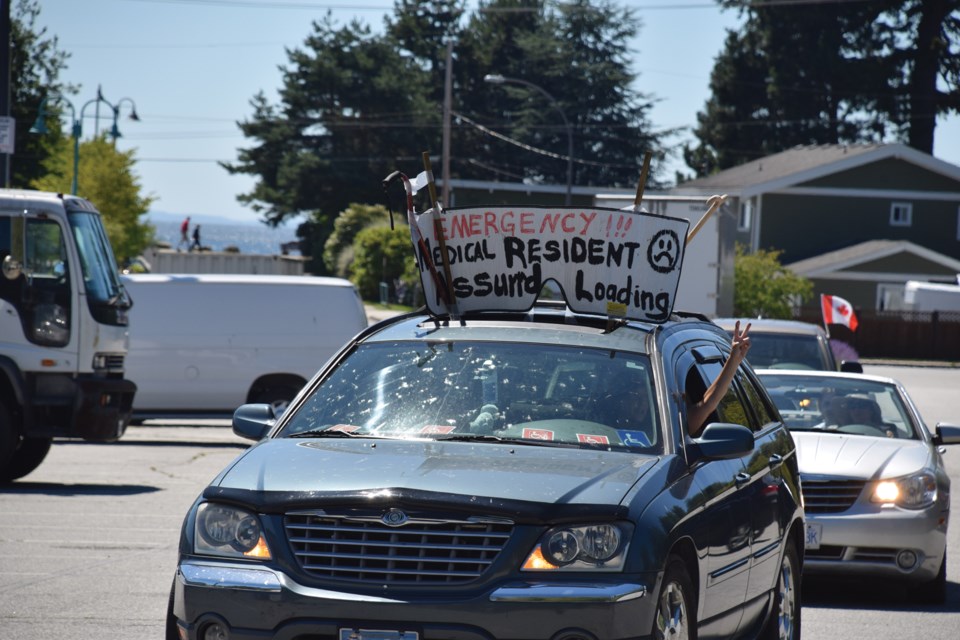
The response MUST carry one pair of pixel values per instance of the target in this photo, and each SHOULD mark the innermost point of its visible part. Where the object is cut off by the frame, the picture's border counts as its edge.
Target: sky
(191, 67)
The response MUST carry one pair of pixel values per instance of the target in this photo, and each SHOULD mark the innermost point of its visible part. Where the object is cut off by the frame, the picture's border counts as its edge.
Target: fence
(908, 335)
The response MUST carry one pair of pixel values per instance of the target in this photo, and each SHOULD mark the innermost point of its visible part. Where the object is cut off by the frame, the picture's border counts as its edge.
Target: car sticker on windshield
(537, 434)
(634, 438)
(614, 262)
(437, 428)
(590, 438)
(345, 428)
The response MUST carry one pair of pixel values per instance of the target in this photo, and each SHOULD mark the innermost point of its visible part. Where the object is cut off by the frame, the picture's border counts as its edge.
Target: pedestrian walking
(196, 239)
(184, 234)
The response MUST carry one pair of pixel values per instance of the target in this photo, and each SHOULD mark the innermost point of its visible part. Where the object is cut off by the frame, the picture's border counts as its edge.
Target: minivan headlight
(912, 492)
(594, 547)
(223, 530)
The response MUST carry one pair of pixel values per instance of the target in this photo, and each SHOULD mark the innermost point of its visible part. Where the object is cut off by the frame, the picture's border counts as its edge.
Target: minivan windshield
(523, 393)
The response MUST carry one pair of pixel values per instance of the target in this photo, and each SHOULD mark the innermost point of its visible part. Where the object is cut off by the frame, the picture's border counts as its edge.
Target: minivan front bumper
(255, 601)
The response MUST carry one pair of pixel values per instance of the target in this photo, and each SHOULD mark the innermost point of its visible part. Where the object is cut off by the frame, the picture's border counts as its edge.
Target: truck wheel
(8, 440)
(26, 458)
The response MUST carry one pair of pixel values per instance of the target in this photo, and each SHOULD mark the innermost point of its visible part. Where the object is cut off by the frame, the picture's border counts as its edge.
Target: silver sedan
(876, 495)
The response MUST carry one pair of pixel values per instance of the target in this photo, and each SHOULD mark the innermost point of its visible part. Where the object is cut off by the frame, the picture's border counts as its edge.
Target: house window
(901, 214)
(746, 214)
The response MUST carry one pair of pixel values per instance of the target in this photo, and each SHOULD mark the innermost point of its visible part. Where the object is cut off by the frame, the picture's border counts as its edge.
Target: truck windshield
(101, 277)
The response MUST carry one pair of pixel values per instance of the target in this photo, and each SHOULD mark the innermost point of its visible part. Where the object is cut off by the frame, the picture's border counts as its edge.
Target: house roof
(804, 163)
(865, 252)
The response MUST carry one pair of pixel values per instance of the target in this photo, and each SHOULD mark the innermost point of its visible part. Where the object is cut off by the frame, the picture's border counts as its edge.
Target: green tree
(106, 178)
(765, 288)
(382, 254)
(338, 250)
(35, 66)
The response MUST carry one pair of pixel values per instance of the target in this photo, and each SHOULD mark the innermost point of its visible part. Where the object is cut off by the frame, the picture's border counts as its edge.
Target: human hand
(740, 343)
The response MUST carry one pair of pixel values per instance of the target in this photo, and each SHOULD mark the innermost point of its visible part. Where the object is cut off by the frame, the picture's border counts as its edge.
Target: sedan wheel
(676, 618)
(784, 622)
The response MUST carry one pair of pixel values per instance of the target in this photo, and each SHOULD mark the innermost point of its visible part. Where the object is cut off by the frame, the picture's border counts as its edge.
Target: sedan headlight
(912, 492)
(596, 547)
(228, 531)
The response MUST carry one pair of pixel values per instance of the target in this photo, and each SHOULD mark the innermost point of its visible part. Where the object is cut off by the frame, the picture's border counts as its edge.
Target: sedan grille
(362, 548)
(832, 496)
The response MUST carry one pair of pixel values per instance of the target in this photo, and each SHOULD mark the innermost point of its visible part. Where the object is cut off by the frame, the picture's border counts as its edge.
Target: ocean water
(252, 239)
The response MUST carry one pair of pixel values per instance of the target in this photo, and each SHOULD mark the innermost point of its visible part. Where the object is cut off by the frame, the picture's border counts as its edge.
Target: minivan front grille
(831, 496)
(420, 551)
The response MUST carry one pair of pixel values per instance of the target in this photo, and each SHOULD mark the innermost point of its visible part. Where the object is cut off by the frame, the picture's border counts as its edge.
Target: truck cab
(63, 329)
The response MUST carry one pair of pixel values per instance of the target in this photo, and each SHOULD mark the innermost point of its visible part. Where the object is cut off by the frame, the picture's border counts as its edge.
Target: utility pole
(8, 126)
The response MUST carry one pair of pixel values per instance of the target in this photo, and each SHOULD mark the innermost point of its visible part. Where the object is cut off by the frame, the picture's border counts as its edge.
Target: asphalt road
(88, 541)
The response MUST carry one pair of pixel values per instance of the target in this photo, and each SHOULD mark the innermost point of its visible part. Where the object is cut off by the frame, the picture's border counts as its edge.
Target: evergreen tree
(827, 73)
(355, 106)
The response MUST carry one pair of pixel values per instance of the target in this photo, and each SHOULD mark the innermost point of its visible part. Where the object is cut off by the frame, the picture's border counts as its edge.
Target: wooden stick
(643, 179)
(438, 231)
(713, 203)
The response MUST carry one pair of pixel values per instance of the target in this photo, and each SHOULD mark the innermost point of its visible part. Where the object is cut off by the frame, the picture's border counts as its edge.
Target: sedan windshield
(530, 394)
(845, 405)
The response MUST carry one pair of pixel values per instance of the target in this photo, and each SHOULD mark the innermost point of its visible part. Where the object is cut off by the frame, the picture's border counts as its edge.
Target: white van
(202, 345)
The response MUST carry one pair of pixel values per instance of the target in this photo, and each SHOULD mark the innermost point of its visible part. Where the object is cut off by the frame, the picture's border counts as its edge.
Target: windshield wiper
(478, 437)
(326, 432)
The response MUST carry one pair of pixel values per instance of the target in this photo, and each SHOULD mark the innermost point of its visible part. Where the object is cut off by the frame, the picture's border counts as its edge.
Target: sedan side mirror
(723, 441)
(946, 434)
(253, 421)
(851, 366)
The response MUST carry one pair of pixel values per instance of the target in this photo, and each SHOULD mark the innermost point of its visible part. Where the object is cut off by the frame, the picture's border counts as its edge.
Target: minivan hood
(860, 457)
(502, 471)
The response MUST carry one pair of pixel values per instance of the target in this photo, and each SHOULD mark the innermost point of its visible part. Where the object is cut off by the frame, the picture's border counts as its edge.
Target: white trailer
(931, 296)
(706, 285)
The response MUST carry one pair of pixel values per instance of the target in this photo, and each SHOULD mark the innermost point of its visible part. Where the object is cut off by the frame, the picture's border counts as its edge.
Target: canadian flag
(836, 310)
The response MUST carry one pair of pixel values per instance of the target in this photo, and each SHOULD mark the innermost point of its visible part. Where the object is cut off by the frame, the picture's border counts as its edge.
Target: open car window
(535, 393)
(856, 407)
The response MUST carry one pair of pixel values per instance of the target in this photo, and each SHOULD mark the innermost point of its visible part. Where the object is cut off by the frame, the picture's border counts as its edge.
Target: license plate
(814, 535)
(377, 634)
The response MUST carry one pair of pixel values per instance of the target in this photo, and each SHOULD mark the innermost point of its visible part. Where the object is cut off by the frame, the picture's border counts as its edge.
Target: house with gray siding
(811, 200)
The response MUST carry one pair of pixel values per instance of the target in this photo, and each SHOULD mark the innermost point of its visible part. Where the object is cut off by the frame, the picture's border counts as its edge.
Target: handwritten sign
(611, 262)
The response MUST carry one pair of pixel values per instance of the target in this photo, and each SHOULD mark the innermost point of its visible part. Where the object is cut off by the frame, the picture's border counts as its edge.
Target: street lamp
(76, 128)
(496, 78)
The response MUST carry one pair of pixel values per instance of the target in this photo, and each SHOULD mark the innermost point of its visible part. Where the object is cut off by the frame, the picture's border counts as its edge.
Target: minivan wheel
(676, 617)
(784, 620)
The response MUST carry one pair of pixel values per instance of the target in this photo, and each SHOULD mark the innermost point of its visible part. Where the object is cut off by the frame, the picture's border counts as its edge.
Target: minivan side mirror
(723, 441)
(253, 421)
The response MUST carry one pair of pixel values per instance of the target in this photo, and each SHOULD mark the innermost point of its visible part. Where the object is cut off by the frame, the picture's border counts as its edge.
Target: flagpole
(823, 317)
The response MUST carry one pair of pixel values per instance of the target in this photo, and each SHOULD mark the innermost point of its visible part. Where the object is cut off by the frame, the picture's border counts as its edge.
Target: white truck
(201, 345)
(63, 329)
(931, 296)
